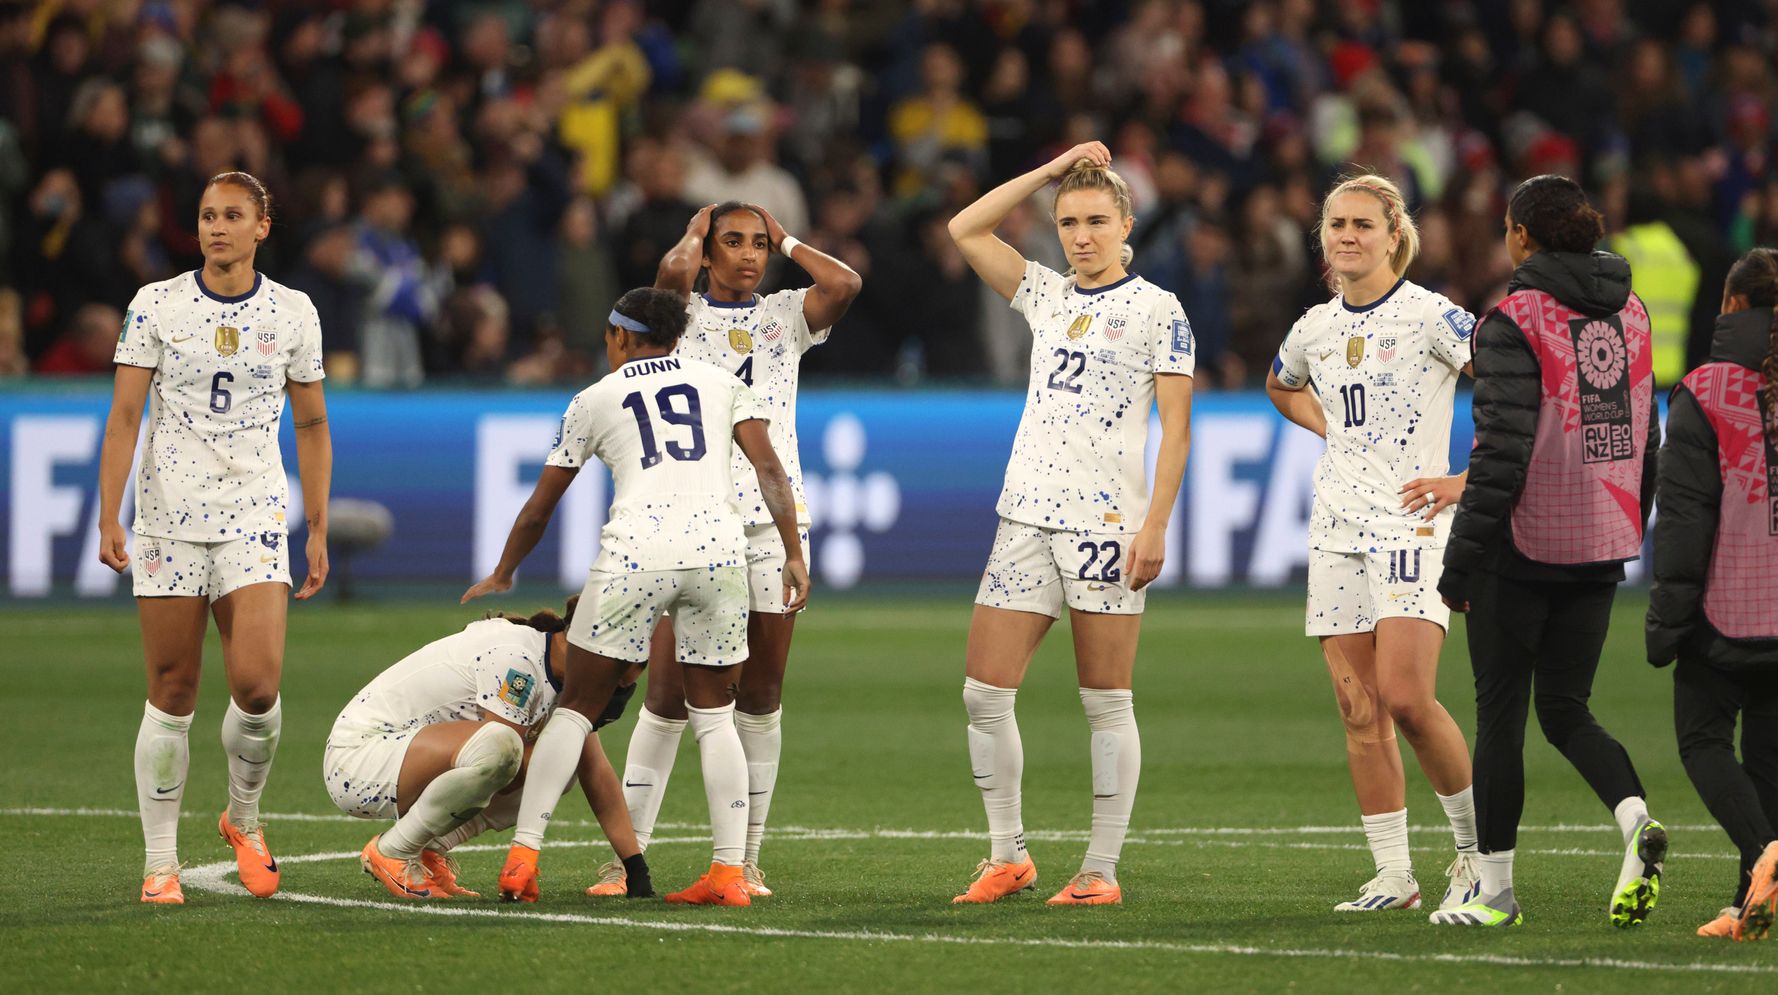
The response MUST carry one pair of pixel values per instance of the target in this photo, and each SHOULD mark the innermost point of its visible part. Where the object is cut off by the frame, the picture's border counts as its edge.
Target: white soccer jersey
(1077, 461)
(762, 341)
(665, 426)
(212, 470)
(1386, 374)
(493, 668)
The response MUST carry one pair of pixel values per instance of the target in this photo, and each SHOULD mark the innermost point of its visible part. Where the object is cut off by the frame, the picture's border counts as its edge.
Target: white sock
(553, 762)
(163, 755)
(500, 813)
(249, 741)
(1460, 809)
(1630, 813)
(762, 742)
(1117, 764)
(654, 746)
(1388, 836)
(997, 758)
(725, 780)
(484, 764)
(1497, 872)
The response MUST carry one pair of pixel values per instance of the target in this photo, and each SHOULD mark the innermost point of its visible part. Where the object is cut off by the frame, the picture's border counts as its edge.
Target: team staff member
(1714, 606)
(1559, 490)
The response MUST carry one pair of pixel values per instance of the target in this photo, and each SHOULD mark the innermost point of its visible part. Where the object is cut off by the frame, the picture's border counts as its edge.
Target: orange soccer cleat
(1761, 905)
(612, 883)
(518, 879)
(404, 878)
(1089, 888)
(997, 879)
(1723, 926)
(753, 881)
(442, 869)
(721, 885)
(161, 886)
(259, 870)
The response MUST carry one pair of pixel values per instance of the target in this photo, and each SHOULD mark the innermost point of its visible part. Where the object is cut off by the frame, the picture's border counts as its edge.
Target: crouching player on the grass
(439, 740)
(674, 541)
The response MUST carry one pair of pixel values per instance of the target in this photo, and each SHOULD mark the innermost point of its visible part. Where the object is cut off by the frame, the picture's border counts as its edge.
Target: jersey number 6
(692, 417)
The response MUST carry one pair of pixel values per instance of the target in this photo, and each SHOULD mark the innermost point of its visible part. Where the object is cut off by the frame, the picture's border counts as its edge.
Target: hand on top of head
(1086, 154)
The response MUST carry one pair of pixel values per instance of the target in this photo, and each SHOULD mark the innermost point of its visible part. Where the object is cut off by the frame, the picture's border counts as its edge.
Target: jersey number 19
(692, 417)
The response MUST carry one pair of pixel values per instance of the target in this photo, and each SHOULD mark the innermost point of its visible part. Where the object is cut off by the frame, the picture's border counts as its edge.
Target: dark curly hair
(1555, 213)
(545, 620)
(663, 311)
(1755, 277)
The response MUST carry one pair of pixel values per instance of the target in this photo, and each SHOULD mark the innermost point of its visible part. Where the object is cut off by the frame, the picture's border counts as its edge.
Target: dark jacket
(1690, 492)
(1508, 395)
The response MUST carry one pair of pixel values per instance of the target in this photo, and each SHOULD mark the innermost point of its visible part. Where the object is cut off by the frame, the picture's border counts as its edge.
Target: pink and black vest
(1582, 499)
(1741, 592)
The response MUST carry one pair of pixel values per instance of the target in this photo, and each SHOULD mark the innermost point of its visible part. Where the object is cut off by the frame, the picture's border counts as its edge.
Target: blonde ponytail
(1395, 215)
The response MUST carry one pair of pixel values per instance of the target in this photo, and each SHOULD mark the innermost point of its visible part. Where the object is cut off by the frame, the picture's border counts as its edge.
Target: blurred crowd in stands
(463, 188)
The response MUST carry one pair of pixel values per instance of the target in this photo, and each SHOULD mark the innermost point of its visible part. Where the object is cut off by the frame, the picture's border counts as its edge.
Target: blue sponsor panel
(901, 485)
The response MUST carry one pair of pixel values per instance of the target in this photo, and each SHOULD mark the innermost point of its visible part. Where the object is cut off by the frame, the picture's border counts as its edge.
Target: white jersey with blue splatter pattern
(1077, 461)
(211, 470)
(492, 669)
(1386, 375)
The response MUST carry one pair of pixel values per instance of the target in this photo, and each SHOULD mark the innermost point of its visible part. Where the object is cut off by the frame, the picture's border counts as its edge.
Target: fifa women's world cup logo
(1603, 363)
(1601, 355)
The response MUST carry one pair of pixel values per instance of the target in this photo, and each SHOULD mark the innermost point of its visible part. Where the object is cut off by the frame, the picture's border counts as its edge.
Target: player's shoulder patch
(516, 688)
(1461, 321)
(128, 317)
(1182, 336)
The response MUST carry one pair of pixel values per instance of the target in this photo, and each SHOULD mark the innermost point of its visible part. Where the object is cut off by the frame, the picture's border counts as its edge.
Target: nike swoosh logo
(1023, 873)
(1325, 354)
(181, 338)
(163, 791)
(648, 784)
(1403, 594)
(1106, 796)
(268, 559)
(151, 894)
(1077, 896)
(244, 759)
(759, 792)
(273, 866)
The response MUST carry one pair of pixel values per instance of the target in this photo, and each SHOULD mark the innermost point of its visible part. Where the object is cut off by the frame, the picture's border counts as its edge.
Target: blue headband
(625, 321)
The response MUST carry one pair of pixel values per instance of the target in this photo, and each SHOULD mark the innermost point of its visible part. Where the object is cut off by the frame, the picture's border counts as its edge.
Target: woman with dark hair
(1714, 606)
(761, 339)
(1560, 485)
(666, 426)
(437, 743)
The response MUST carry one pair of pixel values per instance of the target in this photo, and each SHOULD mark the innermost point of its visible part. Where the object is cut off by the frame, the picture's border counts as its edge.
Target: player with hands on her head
(1714, 604)
(1383, 357)
(1077, 527)
(439, 743)
(674, 540)
(214, 353)
(761, 339)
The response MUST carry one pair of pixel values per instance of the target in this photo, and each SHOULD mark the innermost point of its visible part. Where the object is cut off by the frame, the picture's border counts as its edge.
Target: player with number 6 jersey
(214, 353)
(1077, 527)
(1383, 357)
(665, 425)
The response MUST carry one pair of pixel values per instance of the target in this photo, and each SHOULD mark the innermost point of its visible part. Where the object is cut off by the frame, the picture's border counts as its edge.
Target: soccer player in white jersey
(762, 340)
(1077, 527)
(1383, 358)
(214, 352)
(437, 743)
(675, 540)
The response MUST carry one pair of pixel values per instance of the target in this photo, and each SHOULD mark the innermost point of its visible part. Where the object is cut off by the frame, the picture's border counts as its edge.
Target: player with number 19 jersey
(1386, 375)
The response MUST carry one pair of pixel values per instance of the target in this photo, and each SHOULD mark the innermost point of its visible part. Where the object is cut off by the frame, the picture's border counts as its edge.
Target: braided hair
(1755, 277)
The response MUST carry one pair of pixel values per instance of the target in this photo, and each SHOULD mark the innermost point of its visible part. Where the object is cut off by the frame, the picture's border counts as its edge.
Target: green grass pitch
(1245, 831)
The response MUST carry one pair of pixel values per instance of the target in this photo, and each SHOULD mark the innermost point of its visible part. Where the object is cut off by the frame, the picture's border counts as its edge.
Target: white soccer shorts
(765, 568)
(167, 568)
(618, 611)
(1351, 592)
(363, 770)
(1033, 569)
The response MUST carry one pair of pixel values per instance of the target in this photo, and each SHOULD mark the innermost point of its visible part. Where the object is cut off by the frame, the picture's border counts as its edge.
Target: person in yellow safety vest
(1665, 276)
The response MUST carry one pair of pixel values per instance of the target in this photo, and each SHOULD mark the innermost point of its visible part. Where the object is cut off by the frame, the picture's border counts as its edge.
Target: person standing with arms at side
(1560, 485)
(214, 352)
(1076, 526)
(1714, 605)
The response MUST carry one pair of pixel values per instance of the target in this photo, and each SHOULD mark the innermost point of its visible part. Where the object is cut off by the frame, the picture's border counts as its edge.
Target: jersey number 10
(692, 417)
(1352, 396)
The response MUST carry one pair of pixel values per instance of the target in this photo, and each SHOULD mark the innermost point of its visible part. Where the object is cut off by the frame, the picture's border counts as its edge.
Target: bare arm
(598, 781)
(1297, 404)
(526, 530)
(314, 461)
(774, 488)
(1173, 394)
(679, 267)
(129, 390)
(999, 265)
(836, 284)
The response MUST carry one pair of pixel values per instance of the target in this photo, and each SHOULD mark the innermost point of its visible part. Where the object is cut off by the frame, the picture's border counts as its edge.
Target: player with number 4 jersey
(1077, 526)
(674, 540)
(1383, 358)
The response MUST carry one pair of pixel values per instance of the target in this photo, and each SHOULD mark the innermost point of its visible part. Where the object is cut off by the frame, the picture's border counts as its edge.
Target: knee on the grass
(494, 750)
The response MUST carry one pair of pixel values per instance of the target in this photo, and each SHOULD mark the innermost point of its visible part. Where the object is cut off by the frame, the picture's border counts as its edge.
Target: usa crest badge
(740, 339)
(228, 340)
(151, 560)
(267, 343)
(1355, 350)
(1386, 348)
(515, 690)
(773, 331)
(1114, 328)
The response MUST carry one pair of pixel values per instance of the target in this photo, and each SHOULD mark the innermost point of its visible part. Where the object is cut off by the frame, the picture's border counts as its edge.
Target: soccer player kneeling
(674, 541)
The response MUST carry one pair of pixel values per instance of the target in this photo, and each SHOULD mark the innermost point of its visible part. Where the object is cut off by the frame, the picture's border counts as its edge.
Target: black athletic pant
(1549, 634)
(1741, 795)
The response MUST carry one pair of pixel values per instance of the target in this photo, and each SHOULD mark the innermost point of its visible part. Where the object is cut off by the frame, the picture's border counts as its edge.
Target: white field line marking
(212, 878)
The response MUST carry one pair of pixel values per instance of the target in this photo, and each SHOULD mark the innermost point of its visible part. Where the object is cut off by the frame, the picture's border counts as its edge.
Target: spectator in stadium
(1557, 497)
(656, 207)
(400, 300)
(325, 274)
(739, 170)
(585, 277)
(86, 345)
(1714, 605)
(13, 361)
(936, 123)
